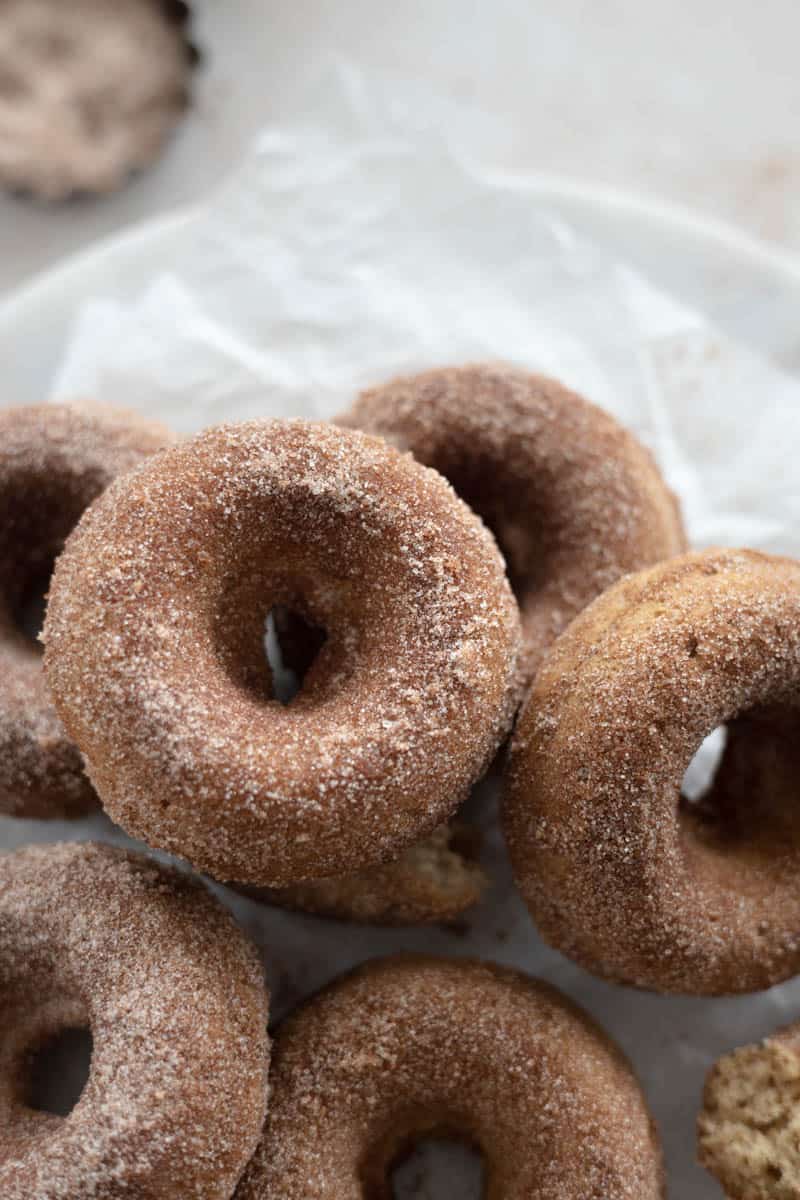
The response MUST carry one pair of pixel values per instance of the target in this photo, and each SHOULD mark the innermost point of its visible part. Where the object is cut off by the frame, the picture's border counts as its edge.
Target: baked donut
(434, 881)
(89, 91)
(620, 873)
(54, 460)
(174, 997)
(749, 1126)
(155, 650)
(573, 499)
(406, 1048)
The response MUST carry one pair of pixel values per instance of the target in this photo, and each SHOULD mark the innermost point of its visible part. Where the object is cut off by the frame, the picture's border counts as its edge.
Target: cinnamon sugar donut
(54, 460)
(573, 498)
(617, 871)
(406, 1048)
(749, 1126)
(90, 91)
(174, 997)
(154, 650)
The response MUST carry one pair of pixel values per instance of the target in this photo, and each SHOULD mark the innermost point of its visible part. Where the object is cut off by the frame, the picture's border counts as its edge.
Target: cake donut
(54, 460)
(90, 91)
(174, 997)
(749, 1126)
(434, 881)
(411, 1047)
(155, 650)
(573, 498)
(619, 871)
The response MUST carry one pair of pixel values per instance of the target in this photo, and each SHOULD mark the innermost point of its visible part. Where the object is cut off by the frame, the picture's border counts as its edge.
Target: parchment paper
(354, 244)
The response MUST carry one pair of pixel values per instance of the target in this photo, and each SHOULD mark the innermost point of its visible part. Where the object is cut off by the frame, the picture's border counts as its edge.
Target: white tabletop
(696, 101)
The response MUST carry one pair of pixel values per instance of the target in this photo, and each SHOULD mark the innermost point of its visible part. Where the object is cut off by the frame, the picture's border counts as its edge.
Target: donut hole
(699, 776)
(31, 605)
(742, 792)
(437, 1169)
(517, 541)
(38, 515)
(269, 633)
(57, 1071)
(292, 643)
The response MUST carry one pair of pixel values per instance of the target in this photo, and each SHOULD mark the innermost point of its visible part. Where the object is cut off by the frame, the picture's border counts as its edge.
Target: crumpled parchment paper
(355, 244)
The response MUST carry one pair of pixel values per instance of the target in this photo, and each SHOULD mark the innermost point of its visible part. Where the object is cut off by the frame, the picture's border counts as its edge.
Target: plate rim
(759, 254)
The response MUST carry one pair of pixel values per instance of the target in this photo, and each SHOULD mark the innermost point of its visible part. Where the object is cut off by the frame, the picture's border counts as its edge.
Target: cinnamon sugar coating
(618, 871)
(54, 460)
(154, 650)
(573, 498)
(174, 996)
(411, 1047)
(90, 91)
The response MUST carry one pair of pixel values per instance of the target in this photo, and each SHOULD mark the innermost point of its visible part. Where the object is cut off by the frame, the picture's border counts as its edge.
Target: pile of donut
(473, 570)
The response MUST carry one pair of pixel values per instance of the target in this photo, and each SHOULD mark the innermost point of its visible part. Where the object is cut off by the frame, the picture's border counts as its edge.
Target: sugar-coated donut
(621, 873)
(573, 498)
(174, 997)
(413, 1047)
(54, 460)
(434, 881)
(749, 1126)
(155, 650)
(91, 91)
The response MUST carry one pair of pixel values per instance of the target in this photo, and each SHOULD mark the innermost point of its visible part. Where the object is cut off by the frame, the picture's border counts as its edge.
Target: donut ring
(174, 996)
(54, 460)
(412, 1047)
(747, 1129)
(154, 650)
(617, 873)
(573, 498)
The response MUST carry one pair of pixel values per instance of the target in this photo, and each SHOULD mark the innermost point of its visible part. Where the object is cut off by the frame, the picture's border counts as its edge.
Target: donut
(54, 460)
(749, 1125)
(89, 91)
(413, 1047)
(618, 870)
(174, 997)
(155, 650)
(434, 881)
(573, 499)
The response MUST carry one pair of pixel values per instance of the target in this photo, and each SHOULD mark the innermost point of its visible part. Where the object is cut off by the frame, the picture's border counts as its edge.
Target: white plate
(747, 287)
(755, 293)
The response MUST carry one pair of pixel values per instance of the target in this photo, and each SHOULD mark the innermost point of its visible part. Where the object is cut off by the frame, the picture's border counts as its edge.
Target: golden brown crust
(573, 498)
(89, 90)
(54, 460)
(154, 650)
(410, 1046)
(174, 996)
(434, 881)
(617, 873)
(749, 1126)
